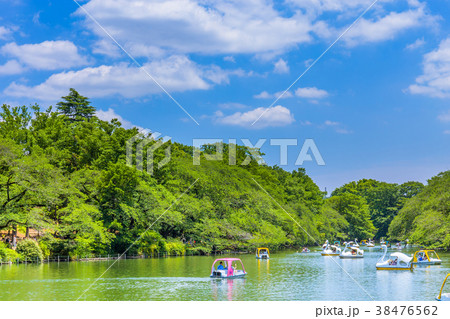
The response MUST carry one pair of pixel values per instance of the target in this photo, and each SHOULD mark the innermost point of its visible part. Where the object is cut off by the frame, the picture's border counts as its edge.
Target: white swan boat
(443, 296)
(331, 250)
(352, 252)
(396, 261)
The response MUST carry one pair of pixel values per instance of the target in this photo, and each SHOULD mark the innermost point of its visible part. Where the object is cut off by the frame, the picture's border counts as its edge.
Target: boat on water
(396, 261)
(305, 250)
(262, 253)
(355, 244)
(331, 250)
(443, 296)
(326, 244)
(363, 242)
(370, 243)
(352, 252)
(337, 243)
(227, 268)
(426, 257)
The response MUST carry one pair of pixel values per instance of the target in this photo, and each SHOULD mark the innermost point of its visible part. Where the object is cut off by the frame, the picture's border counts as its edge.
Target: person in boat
(220, 267)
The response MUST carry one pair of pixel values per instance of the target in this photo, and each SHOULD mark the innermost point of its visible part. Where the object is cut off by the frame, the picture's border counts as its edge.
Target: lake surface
(286, 276)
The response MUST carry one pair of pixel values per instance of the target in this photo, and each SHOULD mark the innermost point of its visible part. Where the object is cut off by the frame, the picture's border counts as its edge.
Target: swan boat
(396, 261)
(444, 296)
(426, 257)
(352, 252)
(370, 243)
(331, 250)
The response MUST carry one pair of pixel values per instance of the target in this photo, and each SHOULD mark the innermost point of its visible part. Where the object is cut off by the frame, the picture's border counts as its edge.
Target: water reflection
(227, 289)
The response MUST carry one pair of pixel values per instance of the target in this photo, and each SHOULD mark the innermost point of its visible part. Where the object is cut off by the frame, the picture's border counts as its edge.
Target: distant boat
(331, 250)
(352, 252)
(262, 253)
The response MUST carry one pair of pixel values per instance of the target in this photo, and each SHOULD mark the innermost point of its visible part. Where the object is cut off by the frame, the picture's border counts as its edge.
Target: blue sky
(376, 104)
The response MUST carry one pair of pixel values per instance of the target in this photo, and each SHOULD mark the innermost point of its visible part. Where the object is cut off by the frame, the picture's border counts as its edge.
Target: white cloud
(272, 117)
(267, 95)
(263, 95)
(175, 74)
(48, 55)
(447, 132)
(307, 93)
(387, 27)
(110, 114)
(229, 58)
(416, 44)
(331, 123)
(4, 33)
(208, 27)
(281, 67)
(435, 80)
(311, 93)
(444, 117)
(11, 67)
(337, 126)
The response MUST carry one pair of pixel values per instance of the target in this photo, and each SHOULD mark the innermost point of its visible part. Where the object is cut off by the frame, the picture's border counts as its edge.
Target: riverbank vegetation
(64, 173)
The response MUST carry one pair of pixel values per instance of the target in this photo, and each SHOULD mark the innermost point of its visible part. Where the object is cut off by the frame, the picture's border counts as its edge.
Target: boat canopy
(425, 253)
(262, 248)
(228, 264)
(402, 257)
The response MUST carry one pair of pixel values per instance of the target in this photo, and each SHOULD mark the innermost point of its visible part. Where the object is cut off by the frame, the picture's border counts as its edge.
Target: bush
(7, 254)
(175, 248)
(29, 249)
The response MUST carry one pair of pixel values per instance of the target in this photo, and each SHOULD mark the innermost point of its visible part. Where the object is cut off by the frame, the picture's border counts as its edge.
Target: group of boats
(233, 267)
(396, 260)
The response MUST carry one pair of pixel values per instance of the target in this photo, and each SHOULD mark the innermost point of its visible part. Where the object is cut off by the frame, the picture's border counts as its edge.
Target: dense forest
(64, 173)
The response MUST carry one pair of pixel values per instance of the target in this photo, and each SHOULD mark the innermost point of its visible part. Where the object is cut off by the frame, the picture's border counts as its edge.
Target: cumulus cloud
(11, 67)
(281, 67)
(48, 55)
(188, 26)
(387, 27)
(272, 117)
(110, 114)
(175, 74)
(435, 80)
(311, 93)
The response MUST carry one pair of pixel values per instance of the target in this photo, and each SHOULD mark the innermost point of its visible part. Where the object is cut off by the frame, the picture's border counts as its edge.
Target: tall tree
(76, 106)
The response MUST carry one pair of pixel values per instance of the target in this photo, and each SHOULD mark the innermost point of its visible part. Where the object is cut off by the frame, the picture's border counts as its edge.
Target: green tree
(356, 211)
(76, 106)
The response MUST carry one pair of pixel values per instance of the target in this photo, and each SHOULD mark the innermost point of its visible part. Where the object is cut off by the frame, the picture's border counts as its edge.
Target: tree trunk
(27, 233)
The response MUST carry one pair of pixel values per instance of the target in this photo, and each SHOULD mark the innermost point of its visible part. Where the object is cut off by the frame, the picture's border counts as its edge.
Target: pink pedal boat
(227, 268)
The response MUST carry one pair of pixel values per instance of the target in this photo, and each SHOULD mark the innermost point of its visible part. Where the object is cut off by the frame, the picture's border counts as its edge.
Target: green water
(286, 276)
